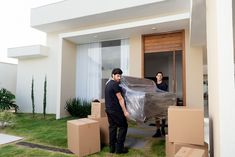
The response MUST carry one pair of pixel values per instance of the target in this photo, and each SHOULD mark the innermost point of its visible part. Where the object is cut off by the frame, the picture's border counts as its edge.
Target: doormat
(54, 149)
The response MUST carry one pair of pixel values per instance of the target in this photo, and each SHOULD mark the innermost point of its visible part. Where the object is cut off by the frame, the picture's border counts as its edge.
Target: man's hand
(126, 114)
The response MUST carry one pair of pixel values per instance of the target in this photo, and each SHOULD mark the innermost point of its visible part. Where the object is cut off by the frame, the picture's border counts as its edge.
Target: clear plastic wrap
(144, 100)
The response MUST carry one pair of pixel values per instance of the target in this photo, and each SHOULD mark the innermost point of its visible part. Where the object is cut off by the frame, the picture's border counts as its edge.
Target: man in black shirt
(164, 87)
(116, 112)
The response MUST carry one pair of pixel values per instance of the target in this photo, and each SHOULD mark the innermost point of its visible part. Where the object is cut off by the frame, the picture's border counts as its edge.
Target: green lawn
(39, 130)
(18, 151)
(52, 132)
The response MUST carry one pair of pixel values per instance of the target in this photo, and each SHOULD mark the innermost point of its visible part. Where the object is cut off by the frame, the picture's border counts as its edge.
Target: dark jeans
(117, 125)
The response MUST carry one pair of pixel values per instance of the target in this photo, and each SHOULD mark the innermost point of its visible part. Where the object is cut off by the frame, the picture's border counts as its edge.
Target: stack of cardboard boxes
(98, 114)
(185, 133)
(85, 135)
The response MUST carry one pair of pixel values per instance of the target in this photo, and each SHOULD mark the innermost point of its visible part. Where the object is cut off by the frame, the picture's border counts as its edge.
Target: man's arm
(122, 103)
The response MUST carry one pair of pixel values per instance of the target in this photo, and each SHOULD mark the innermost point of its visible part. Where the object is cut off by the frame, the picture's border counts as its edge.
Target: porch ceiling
(157, 25)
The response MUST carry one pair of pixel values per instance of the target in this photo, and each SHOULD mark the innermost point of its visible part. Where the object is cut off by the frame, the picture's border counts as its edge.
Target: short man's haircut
(159, 73)
(117, 71)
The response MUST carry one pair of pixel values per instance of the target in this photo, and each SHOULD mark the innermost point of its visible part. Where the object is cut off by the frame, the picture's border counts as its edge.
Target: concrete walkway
(138, 137)
(4, 138)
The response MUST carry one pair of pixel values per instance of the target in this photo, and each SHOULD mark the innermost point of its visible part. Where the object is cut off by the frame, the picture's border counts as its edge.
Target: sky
(15, 27)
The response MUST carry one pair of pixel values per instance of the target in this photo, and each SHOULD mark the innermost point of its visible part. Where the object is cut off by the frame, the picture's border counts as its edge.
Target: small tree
(45, 97)
(32, 97)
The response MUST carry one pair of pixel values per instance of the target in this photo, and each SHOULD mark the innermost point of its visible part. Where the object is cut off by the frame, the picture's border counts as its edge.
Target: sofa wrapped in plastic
(144, 100)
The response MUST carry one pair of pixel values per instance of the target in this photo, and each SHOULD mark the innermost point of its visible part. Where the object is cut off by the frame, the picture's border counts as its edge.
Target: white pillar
(221, 76)
(194, 74)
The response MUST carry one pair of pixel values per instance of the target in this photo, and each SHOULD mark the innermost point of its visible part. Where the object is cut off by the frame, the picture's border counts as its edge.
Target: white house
(86, 39)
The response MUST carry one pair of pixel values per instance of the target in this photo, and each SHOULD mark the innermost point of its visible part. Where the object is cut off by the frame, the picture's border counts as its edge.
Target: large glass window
(95, 62)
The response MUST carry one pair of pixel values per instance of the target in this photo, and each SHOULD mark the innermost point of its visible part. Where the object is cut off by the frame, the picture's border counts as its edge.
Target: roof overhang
(70, 14)
(25, 52)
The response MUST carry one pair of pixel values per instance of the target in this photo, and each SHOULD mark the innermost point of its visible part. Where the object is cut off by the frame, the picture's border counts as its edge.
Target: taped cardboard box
(98, 109)
(186, 125)
(190, 152)
(173, 147)
(104, 128)
(83, 136)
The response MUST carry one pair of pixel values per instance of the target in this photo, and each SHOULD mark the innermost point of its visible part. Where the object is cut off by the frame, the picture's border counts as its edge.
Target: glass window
(111, 57)
(95, 62)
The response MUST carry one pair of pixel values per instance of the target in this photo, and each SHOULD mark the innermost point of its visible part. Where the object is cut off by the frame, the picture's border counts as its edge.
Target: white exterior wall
(194, 73)
(38, 68)
(221, 84)
(8, 76)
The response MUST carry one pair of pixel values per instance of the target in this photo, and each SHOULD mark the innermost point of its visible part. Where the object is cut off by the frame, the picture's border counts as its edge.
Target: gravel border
(54, 149)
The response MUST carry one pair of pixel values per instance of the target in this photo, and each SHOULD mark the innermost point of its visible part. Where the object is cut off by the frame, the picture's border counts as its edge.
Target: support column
(194, 74)
(221, 88)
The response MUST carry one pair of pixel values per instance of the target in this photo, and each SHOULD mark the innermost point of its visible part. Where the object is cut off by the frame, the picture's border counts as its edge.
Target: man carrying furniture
(116, 112)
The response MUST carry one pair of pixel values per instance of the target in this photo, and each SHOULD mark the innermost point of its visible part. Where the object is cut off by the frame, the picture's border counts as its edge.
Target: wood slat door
(163, 42)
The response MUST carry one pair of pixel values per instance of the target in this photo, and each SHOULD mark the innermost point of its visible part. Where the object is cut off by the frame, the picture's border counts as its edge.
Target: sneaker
(152, 124)
(158, 133)
(163, 132)
(122, 151)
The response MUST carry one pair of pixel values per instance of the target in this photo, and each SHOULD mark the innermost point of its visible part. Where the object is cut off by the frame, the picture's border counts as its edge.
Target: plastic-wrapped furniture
(144, 100)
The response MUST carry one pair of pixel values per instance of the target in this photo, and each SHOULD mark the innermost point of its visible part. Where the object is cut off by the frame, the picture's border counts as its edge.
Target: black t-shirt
(163, 86)
(111, 100)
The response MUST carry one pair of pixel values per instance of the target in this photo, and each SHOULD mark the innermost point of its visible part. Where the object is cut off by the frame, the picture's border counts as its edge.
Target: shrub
(78, 108)
(7, 100)
(6, 118)
(45, 97)
(32, 97)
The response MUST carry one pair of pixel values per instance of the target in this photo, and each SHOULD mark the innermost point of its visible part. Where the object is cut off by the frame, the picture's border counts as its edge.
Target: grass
(158, 148)
(53, 132)
(16, 151)
(47, 131)
(155, 148)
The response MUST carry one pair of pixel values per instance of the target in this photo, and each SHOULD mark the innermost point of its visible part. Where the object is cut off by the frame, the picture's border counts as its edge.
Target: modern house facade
(86, 39)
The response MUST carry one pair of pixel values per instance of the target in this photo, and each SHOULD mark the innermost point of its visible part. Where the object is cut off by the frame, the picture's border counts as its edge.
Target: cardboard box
(83, 136)
(98, 109)
(190, 152)
(186, 125)
(104, 128)
(169, 147)
(172, 148)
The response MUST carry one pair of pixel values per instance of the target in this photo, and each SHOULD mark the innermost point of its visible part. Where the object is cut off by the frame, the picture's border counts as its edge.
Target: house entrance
(164, 53)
